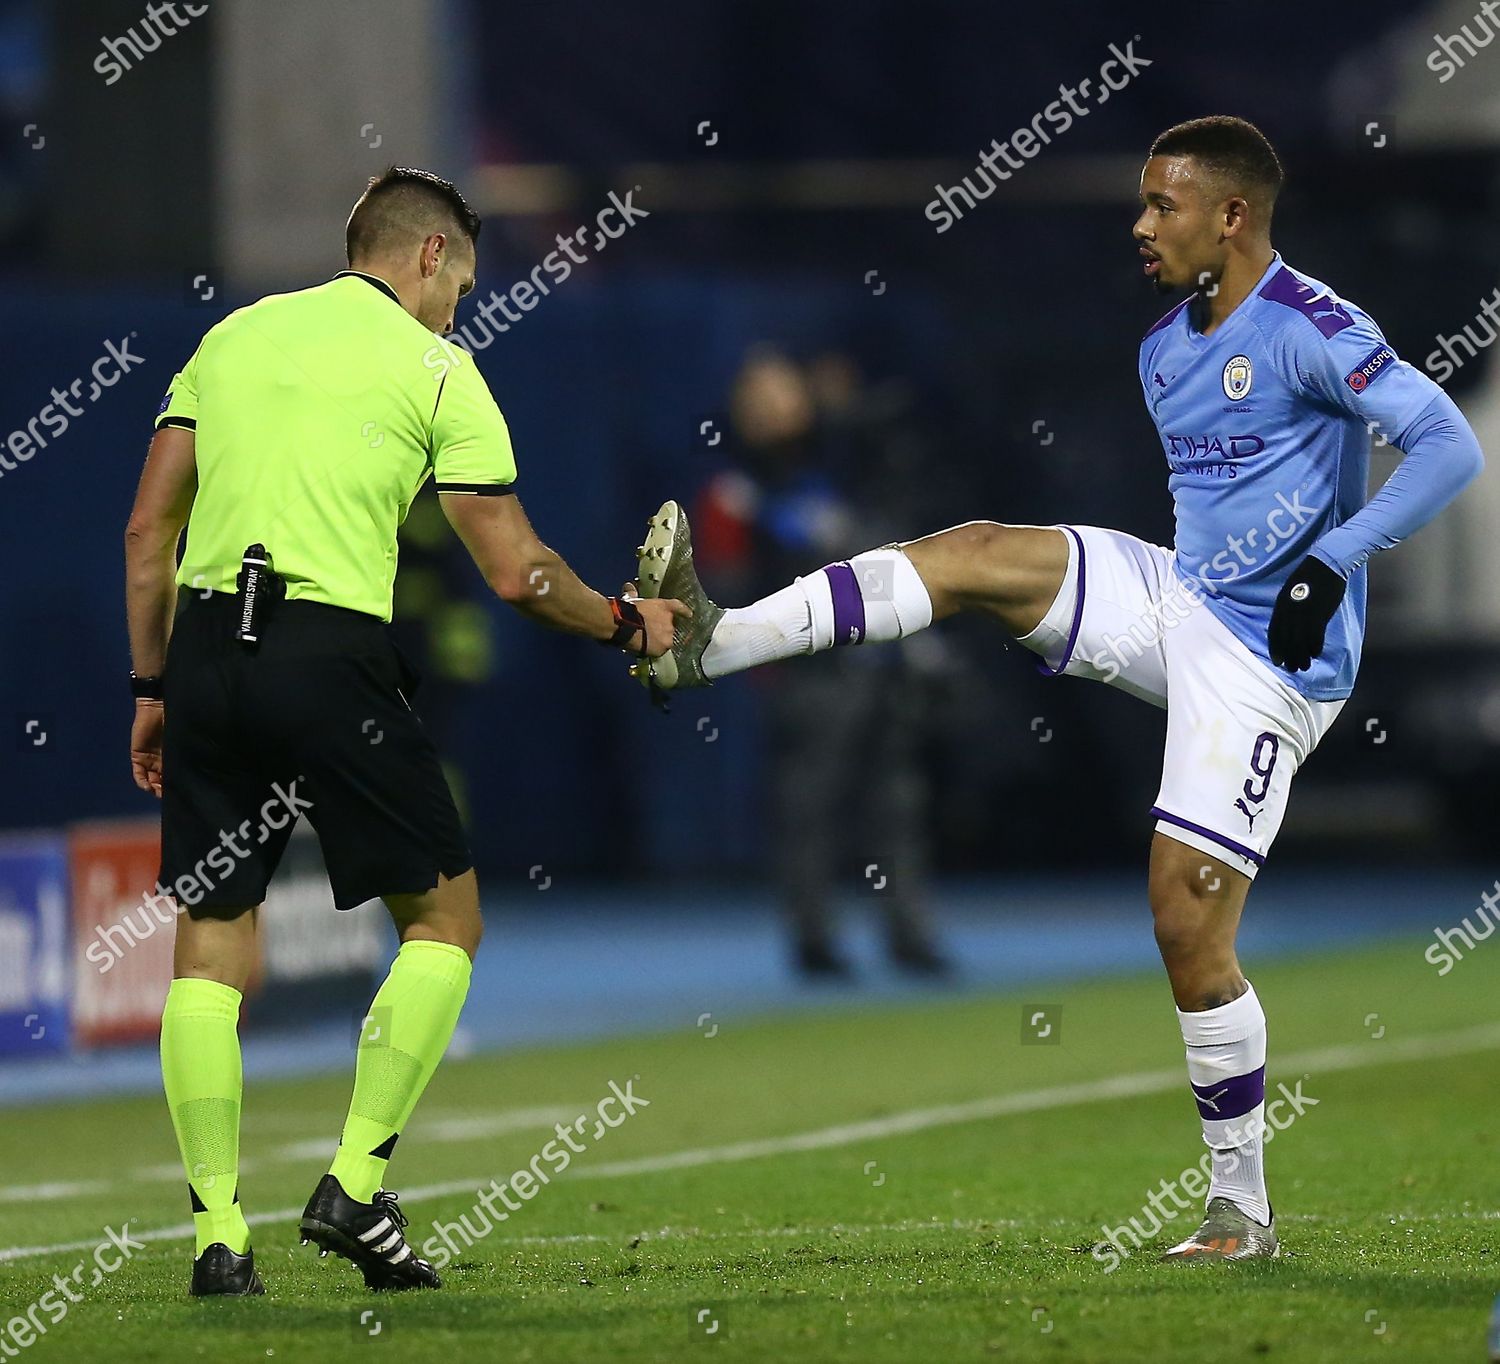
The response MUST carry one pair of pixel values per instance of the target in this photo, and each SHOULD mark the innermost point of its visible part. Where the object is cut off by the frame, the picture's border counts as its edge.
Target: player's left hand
(1299, 620)
(145, 745)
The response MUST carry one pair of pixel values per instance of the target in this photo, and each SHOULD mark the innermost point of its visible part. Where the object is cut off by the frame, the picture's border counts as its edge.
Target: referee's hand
(145, 745)
(660, 615)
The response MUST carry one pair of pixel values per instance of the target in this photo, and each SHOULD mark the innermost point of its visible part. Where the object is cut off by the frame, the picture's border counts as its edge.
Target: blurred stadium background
(787, 344)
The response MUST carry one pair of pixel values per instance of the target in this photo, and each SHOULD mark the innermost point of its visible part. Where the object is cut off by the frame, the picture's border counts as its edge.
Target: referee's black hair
(1233, 149)
(405, 201)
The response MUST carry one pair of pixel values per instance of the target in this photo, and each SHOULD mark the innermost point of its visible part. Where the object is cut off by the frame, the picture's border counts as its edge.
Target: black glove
(1299, 620)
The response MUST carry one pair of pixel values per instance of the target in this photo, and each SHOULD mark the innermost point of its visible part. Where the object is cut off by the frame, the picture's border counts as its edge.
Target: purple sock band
(848, 605)
(1231, 1097)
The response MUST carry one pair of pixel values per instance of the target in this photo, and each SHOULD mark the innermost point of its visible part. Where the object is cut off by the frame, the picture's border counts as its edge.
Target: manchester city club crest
(1238, 374)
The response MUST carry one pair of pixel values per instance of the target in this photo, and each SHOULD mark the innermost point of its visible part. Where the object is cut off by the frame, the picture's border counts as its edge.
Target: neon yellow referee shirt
(318, 416)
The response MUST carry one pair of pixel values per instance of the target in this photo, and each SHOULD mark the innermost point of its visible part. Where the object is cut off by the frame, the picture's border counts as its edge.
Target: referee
(290, 446)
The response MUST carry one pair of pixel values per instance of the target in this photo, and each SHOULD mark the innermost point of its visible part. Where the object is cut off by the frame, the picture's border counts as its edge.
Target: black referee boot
(220, 1273)
(367, 1235)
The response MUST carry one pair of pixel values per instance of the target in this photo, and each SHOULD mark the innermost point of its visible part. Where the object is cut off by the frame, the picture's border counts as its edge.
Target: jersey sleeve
(471, 449)
(1441, 456)
(1357, 372)
(180, 406)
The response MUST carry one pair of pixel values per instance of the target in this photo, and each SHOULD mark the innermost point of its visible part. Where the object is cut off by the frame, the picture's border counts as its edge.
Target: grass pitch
(916, 1183)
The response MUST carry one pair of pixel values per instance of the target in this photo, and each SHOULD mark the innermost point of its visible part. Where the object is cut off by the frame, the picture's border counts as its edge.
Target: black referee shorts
(315, 720)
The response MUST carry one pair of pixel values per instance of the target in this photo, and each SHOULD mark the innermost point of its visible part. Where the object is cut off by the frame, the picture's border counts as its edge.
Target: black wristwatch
(145, 688)
(628, 623)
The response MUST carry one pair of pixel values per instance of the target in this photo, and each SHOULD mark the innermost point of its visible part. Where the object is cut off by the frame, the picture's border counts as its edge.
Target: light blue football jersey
(1267, 426)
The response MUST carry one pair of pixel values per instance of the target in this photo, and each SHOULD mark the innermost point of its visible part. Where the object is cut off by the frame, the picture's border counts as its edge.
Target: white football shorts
(1236, 732)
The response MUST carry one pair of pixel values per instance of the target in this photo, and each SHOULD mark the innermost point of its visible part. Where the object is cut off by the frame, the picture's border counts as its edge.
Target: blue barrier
(33, 944)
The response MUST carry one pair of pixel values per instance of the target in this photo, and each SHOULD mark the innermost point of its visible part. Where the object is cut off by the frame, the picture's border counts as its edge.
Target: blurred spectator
(816, 457)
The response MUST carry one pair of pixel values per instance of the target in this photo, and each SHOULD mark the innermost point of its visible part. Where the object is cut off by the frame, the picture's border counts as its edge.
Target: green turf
(966, 1240)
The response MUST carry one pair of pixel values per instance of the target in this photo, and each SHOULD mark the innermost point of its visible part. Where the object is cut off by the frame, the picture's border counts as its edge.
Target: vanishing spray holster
(259, 590)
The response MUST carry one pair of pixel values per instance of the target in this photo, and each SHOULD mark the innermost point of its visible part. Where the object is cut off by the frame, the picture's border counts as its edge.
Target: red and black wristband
(628, 623)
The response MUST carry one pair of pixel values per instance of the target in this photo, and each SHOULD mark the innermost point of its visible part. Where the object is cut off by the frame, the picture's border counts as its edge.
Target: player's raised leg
(403, 1038)
(201, 1072)
(1011, 572)
(1196, 903)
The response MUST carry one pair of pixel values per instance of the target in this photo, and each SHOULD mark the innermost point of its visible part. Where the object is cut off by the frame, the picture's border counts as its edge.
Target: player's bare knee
(959, 566)
(1012, 572)
(983, 537)
(1195, 935)
(983, 545)
(1183, 919)
(1180, 937)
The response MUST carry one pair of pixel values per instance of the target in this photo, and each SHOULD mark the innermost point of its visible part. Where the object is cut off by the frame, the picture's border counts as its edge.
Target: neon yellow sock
(200, 1069)
(404, 1037)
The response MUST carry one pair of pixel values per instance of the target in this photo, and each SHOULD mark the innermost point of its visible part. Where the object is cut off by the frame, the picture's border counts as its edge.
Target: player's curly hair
(1233, 150)
(404, 202)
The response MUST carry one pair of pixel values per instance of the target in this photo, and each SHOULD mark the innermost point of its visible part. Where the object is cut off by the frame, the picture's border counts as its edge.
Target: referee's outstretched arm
(537, 581)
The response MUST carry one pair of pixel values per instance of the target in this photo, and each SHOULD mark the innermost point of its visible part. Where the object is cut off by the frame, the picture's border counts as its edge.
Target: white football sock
(777, 626)
(877, 595)
(1226, 1056)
